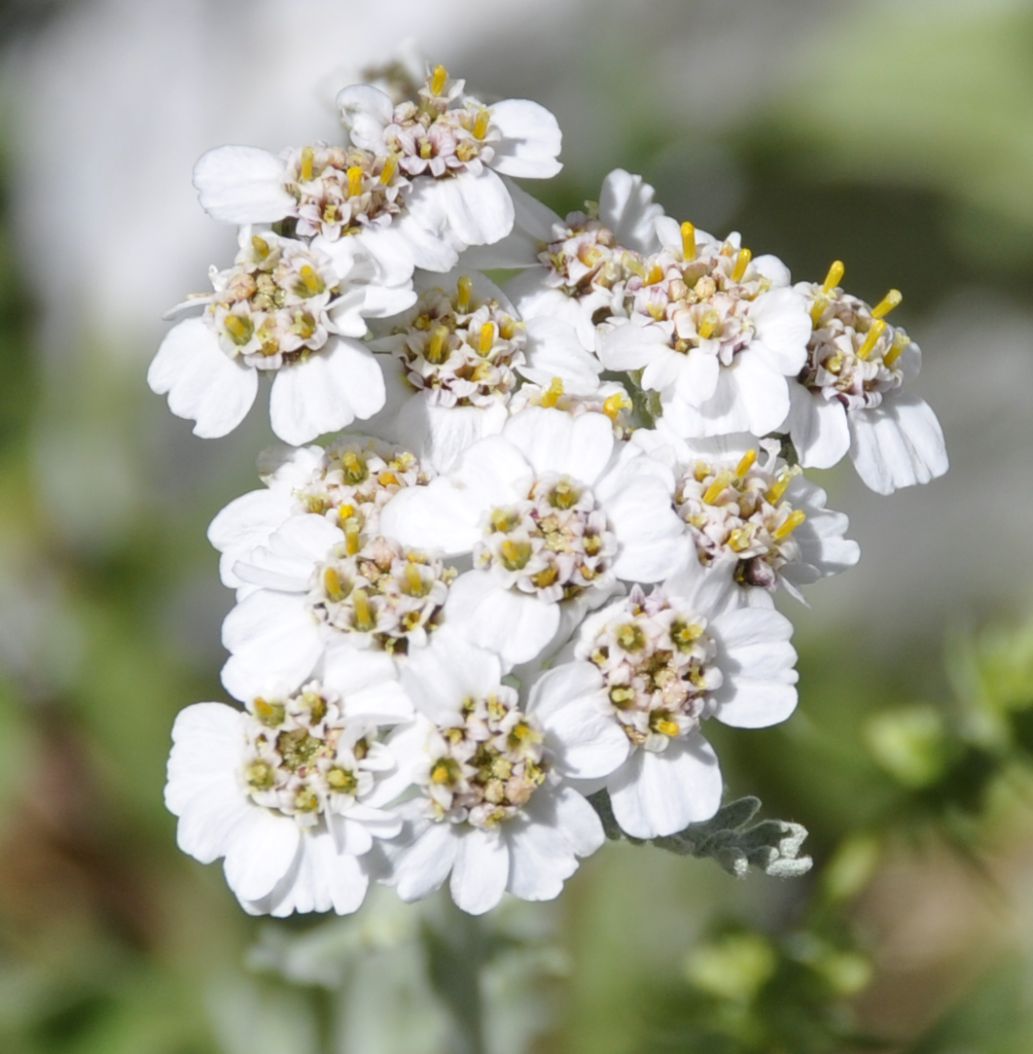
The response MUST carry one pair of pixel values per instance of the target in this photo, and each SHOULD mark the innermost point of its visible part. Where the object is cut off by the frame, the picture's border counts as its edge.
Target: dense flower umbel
(556, 561)
(848, 395)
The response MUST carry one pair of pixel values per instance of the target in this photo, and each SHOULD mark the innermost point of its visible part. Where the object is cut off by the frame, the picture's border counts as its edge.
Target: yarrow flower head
(551, 559)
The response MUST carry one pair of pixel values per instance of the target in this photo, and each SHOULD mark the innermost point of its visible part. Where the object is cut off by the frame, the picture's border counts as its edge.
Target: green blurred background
(896, 137)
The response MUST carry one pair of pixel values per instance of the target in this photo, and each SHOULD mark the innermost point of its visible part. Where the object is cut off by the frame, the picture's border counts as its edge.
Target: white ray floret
(555, 513)
(662, 664)
(491, 811)
(283, 310)
(849, 397)
(291, 792)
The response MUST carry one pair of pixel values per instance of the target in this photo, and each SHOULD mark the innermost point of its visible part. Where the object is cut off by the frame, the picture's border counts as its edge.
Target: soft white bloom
(344, 197)
(554, 513)
(283, 309)
(752, 515)
(328, 596)
(849, 397)
(491, 811)
(451, 364)
(291, 792)
(455, 150)
(575, 267)
(715, 332)
(347, 482)
(661, 664)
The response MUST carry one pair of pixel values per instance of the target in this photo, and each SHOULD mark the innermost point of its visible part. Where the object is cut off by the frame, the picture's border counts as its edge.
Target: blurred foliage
(910, 139)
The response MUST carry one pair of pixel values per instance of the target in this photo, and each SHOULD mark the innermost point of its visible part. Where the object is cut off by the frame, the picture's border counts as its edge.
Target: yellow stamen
(514, 554)
(387, 173)
(387, 479)
(332, 585)
(487, 341)
(833, 277)
(311, 280)
(508, 328)
(792, 521)
(464, 293)
(365, 620)
(438, 80)
(480, 126)
(308, 158)
(876, 331)
(709, 324)
(259, 246)
(414, 584)
(239, 328)
(615, 405)
(742, 261)
(739, 539)
(352, 541)
(553, 393)
(354, 467)
(436, 345)
(688, 241)
(891, 300)
(345, 513)
(900, 342)
(354, 181)
(781, 485)
(443, 772)
(655, 275)
(717, 488)
(746, 463)
(818, 309)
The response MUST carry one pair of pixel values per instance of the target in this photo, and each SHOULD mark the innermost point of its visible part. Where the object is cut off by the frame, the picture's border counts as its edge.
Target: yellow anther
(514, 554)
(545, 578)
(746, 462)
(313, 284)
(634, 265)
(387, 173)
(878, 327)
(354, 467)
(739, 539)
(792, 521)
(438, 80)
(615, 405)
(436, 346)
(464, 293)
(352, 539)
(833, 277)
(365, 620)
(487, 341)
(891, 300)
(717, 488)
(355, 175)
(900, 342)
(414, 584)
(552, 395)
(481, 124)
(709, 324)
(308, 158)
(259, 246)
(388, 479)
(818, 309)
(655, 275)
(332, 585)
(688, 241)
(781, 485)
(503, 520)
(240, 328)
(345, 513)
(507, 330)
(443, 772)
(662, 722)
(742, 261)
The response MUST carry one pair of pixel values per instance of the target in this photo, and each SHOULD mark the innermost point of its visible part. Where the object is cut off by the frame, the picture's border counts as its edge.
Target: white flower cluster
(551, 557)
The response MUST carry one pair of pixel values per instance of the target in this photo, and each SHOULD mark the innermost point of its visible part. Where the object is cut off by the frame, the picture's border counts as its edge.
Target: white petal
(553, 441)
(531, 139)
(578, 821)
(203, 383)
(660, 794)
(288, 558)
(424, 865)
(626, 206)
(365, 111)
(439, 516)
(514, 625)
(761, 392)
(260, 853)
(898, 444)
(247, 522)
(478, 207)
(532, 227)
(632, 346)
(480, 871)
(817, 427)
(554, 350)
(783, 327)
(440, 434)
(242, 184)
(651, 535)
(541, 859)
(450, 669)
(367, 680)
